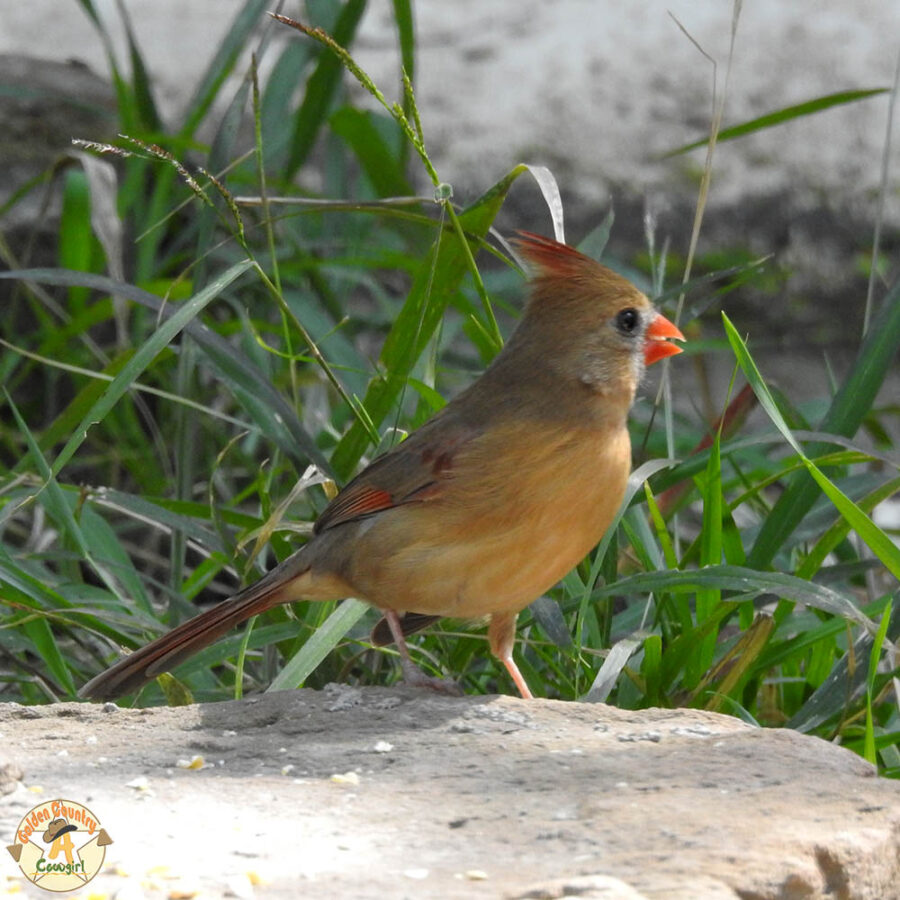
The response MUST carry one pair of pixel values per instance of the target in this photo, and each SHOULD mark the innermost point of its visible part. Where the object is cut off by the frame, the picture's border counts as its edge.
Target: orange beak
(658, 346)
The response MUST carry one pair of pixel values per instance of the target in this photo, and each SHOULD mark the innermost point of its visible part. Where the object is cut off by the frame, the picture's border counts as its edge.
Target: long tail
(283, 584)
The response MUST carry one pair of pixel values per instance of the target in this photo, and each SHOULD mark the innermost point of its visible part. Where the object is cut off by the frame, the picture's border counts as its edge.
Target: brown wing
(413, 472)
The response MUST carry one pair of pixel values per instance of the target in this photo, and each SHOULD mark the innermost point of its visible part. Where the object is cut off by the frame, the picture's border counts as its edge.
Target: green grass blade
(710, 555)
(845, 684)
(880, 544)
(643, 539)
(874, 657)
(106, 548)
(53, 499)
(145, 104)
(730, 672)
(325, 639)
(659, 525)
(145, 355)
(88, 7)
(436, 281)
(779, 117)
(878, 647)
(651, 670)
(378, 161)
(549, 616)
(635, 483)
(223, 63)
(34, 587)
(277, 95)
(741, 580)
(41, 635)
(848, 408)
(403, 18)
(165, 513)
(123, 91)
(321, 88)
(76, 240)
(253, 389)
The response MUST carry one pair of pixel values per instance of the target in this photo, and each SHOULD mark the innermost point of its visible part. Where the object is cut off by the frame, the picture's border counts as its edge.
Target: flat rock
(381, 792)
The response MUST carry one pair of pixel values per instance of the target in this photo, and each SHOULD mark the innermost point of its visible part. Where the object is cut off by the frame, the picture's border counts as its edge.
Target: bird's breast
(516, 512)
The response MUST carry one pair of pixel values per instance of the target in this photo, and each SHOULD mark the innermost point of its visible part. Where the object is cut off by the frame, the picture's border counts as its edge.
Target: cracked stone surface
(376, 792)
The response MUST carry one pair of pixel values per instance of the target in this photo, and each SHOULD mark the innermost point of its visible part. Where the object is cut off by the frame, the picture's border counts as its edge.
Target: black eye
(627, 320)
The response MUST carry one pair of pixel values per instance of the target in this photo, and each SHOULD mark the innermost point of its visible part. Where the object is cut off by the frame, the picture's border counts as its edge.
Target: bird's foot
(415, 677)
(412, 674)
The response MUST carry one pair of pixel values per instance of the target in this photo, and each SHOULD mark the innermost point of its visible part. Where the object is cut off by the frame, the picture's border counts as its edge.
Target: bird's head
(595, 325)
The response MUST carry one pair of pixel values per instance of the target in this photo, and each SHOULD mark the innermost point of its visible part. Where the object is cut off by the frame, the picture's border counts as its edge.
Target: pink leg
(517, 677)
(502, 637)
(412, 674)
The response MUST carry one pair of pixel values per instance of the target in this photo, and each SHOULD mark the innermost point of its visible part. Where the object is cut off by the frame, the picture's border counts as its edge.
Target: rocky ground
(374, 793)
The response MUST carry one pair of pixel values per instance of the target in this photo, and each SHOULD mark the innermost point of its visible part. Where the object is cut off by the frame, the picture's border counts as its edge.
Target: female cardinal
(489, 503)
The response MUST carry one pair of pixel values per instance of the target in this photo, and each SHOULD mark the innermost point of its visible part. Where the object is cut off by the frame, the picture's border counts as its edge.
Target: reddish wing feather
(415, 471)
(354, 502)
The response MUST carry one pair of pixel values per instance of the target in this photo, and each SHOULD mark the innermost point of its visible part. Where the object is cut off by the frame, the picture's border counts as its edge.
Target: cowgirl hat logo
(60, 845)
